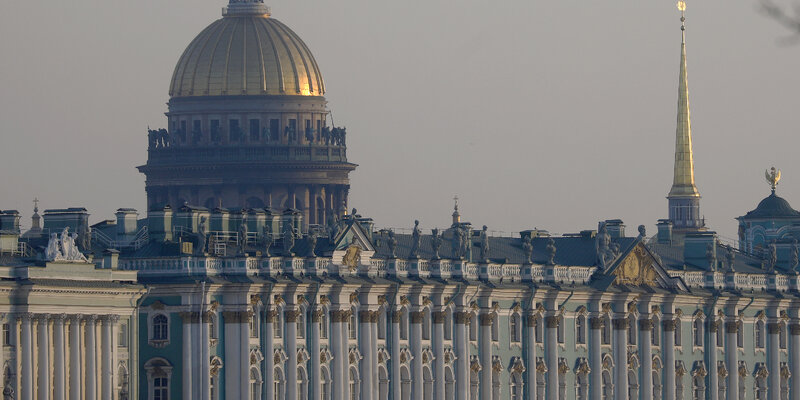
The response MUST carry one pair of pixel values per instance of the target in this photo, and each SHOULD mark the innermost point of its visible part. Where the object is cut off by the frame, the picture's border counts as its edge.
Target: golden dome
(246, 54)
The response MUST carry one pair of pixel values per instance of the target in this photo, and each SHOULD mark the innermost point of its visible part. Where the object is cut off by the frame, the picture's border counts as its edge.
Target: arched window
(448, 324)
(657, 378)
(449, 384)
(678, 386)
(720, 333)
(633, 385)
(516, 386)
(404, 325)
(277, 324)
(606, 335)
(278, 384)
(538, 330)
(580, 329)
(405, 383)
(495, 384)
(323, 324)
(213, 327)
(254, 322)
(582, 386)
(759, 334)
(160, 327)
(382, 323)
(495, 327)
(541, 383)
(427, 383)
(782, 335)
(655, 337)
(352, 325)
(698, 388)
(761, 387)
(740, 337)
(608, 387)
(325, 383)
(255, 383)
(122, 381)
(678, 336)
(159, 372)
(301, 323)
(722, 384)
(302, 384)
(515, 327)
(474, 381)
(354, 384)
(697, 332)
(426, 324)
(560, 329)
(473, 327)
(383, 383)
(632, 339)
(785, 374)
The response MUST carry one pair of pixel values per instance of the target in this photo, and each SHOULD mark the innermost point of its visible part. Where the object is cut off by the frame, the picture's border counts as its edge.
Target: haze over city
(536, 114)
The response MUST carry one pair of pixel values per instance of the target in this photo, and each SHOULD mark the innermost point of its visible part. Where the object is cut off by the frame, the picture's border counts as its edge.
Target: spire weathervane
(773, 176)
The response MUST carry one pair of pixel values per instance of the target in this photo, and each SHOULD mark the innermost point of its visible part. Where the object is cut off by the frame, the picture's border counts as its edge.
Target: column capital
(531, 320)
(731, 327)
(373, 318)
(486, 319)
(438, 317)
(773, 328)
(59, 318)
(416, 317)
(290, 316)
(90, 318)
(365, 315)
(75, 318)
(620, 324)
(461, 317)
(669, 325)
(237, 317)
(42, 317)
(316, 315)
(340, 315)
(271, 315)
(646, 324)
(597, 323)
(189, 316)
(552, 321)
(397, 316)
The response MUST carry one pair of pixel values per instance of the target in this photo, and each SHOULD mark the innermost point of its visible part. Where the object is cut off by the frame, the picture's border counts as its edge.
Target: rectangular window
(197, 131)
(234, 133)
(122, 339)
(292, 131)
(255, 130)
(678, 333)
(538, 331)
(274, 129)
(473, 328)
(215, 137)
(720, 334)
(308, 132)
(323, 327)
(318, 130)
(182, 133)
(6, 335)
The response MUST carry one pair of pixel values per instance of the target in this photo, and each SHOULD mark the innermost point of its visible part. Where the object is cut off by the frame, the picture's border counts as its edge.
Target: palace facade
(249, 277)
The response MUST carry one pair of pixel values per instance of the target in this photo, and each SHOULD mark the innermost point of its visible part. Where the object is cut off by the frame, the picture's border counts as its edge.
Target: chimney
(127, 220)
(615, 228)
(159, 222)
(695, 248)
(111, 259)
(9, 221)
(664, 231)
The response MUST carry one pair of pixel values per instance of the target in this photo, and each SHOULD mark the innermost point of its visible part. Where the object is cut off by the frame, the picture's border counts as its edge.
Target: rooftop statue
(202, 237)
(268, 240)
(484, 244)
(794, 258)
(773, 176)
(436, 243)
(243, 234)
(551, 252)
(711, 256)
(64, 248)
(730, 258)
(392, 243)
(605, 250)
(53, 252)
(772, 259)
(312, 244)
(457, 242)
(288, 239)
(527, 248)
(415, 240)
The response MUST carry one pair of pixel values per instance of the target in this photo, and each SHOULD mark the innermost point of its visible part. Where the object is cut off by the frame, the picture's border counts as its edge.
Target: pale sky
(548, 114)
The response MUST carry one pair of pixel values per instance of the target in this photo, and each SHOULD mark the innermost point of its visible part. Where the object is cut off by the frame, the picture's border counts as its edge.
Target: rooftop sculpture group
(64, 248)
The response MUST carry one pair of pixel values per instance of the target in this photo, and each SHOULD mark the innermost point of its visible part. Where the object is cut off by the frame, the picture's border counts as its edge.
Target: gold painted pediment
(637, 268)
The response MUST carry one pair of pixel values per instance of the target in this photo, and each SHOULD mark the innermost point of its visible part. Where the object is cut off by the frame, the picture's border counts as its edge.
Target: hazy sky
(548, 114)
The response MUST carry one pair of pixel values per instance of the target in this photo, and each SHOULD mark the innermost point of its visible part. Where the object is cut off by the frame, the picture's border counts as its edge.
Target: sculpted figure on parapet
(603, 246)
(202, 236)
(64, 248)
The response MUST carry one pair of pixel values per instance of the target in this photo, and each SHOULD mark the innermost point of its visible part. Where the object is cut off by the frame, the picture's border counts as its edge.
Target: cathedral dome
(773, 206)
(246, 53)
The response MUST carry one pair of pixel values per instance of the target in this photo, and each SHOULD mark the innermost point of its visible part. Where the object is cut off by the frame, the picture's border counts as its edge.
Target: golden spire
(683, 182)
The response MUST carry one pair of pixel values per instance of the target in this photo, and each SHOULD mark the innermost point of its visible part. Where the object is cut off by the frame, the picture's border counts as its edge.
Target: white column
(668, 390)
(485, 349)
(232, 372)
(711, 350)
(646, 358)
(530, 341)
(290, 318)
(43, 345)
(621, 358)
(438, 354)
(415, 343)
(731, 357)
(794, 332)
(75, 352)
(26, 350)
(90, 391)
(8, 319)
(461, 319)
(316, 372)
(344, 361)
(244, 356)
(774, 360)
(204, 384)
(596, 357)
(394, 380)
(59, 367)
(107, 376)
(269, 351)
(366, 347)
(551, 356)
(374, 333)
(339, 354)
(186, 357)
